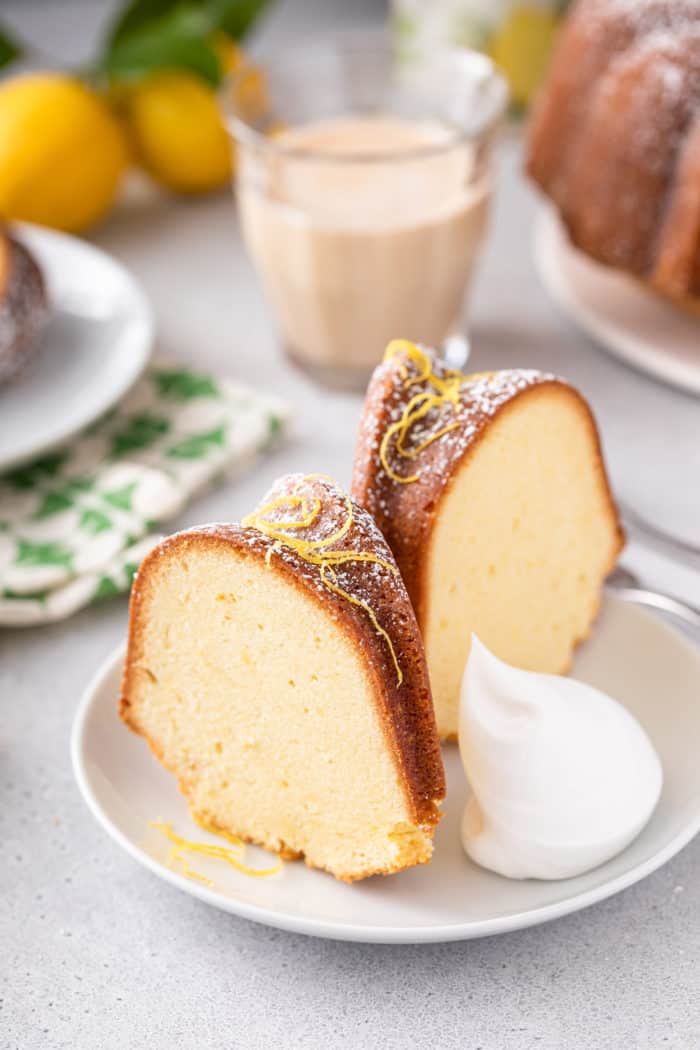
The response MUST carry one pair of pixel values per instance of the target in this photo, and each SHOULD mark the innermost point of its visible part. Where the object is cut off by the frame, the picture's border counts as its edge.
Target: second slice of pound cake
(492, 493)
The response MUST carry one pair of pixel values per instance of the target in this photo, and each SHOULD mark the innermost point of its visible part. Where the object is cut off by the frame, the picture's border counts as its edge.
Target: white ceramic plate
(632, 655)
(95, 346)
(616, 311)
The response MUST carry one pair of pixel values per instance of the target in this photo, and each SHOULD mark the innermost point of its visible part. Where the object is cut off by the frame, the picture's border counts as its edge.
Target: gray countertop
(95, 951)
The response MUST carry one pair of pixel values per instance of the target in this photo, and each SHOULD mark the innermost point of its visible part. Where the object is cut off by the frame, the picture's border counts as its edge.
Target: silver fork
(627, 585)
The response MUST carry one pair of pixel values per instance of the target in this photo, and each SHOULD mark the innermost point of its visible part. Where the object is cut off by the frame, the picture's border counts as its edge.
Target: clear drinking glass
(363, 186)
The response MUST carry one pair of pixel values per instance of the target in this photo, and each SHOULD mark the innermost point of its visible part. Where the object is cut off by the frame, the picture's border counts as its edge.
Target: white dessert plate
(632, 655)
(616, 311)
(95, 346)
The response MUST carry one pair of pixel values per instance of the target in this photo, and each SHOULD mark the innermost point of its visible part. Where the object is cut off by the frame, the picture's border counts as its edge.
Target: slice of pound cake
(492, 493)
(277, 669)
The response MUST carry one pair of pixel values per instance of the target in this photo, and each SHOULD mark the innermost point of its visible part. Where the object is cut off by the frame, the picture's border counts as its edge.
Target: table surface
(97, 952)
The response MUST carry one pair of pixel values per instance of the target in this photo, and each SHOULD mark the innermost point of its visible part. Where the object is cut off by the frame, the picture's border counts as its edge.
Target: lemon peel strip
(445, 391)
(180, 846)
(315, 552)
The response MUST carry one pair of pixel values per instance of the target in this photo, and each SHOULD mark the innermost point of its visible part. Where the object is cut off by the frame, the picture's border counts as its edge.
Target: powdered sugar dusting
(610, 133)
(376, 584)
(480, 399)
(363, 536)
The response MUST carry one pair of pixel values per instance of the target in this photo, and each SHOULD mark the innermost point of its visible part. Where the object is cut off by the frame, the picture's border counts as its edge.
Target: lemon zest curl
(316, 552)
(443, 391)
(231, 855)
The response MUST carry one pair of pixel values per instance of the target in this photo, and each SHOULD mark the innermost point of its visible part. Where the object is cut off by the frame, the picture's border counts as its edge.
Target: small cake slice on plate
(23, 306)
(277, 669)
(492, 493)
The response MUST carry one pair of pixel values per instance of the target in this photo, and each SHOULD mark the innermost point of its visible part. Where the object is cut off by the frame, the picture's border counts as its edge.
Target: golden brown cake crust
(614, 139)
(407, 513)
(405, 710)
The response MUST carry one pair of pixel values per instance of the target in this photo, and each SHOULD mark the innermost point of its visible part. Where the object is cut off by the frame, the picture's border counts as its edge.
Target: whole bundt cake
(614, 140)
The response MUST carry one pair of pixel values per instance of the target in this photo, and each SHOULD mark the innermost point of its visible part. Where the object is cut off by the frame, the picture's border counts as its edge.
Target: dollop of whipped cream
(562, 776)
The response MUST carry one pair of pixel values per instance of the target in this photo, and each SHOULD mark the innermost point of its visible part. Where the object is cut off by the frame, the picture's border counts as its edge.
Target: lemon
(521, 48)
(177, 132)
(230, 56)
(62, 152)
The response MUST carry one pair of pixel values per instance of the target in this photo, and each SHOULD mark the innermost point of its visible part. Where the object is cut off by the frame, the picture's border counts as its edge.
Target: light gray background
(96, 952)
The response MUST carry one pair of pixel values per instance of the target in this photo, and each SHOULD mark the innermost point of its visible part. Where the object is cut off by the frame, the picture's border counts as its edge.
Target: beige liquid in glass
(366, 243)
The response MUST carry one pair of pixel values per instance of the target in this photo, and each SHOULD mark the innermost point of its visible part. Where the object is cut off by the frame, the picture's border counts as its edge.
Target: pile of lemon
(65, 147)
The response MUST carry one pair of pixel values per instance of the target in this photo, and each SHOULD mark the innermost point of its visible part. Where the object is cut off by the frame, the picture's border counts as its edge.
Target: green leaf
(177, 40)
(136, 15)
(9, 49)
(235, 17)
(106, 588)
(174, 34)
(95, 521)
(183, 385)
(43, 554)
(30, 476)
(139, 432)
(196, 446)
(121, 498)
(137, 58)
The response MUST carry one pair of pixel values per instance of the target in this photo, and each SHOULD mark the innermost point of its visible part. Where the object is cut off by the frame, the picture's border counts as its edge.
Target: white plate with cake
(631, 655)
(76, 332)
(297, 672)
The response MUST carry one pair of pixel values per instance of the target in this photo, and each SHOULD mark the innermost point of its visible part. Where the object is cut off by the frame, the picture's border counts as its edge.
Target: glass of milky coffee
(363, 184)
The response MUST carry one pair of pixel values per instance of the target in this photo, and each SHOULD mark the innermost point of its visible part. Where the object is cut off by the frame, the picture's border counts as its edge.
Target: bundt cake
(23, 305)
(277, 669)
(614, 140)
(492, 493)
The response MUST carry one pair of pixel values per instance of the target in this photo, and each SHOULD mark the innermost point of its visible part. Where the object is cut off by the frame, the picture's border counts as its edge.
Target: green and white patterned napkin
(75, 524)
